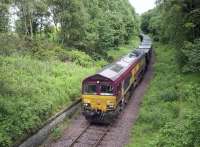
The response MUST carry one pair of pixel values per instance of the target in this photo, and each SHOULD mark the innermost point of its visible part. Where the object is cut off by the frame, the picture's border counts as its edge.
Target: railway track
(91, 136)
(81, 134)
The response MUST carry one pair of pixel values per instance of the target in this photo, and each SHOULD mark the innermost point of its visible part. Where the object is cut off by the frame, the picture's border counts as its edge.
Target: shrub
(32, 90)
(169, 94)
(191, 94)
(8, 43)
(170, 110)
(43, 50)
(80, 58)
(183, 133)
(192, 55)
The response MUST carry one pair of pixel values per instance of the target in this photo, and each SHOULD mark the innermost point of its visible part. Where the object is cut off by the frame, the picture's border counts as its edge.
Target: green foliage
(73, 20)
(116, 53)
(80, 58)
(93, 26)
(169, 115)
(32, 90)
(8, 44)
(176, 22)
(34, 84)
(169, 94)
(52, 47)
(56, 133)
(4, 15)
(184, 133)
(151, 23)
(32, 15)
(44, 50)
(192, 55)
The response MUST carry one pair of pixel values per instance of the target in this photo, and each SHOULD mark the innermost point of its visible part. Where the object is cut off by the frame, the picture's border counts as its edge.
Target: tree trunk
(25, 21)
(41, 25)
(31, 28)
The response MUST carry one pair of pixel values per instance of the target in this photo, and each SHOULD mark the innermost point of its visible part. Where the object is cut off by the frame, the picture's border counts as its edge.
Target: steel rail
(101, 138)
(97, 143)
(79, 136)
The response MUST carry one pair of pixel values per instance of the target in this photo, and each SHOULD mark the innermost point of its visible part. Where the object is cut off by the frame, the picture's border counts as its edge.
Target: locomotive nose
(98, 102)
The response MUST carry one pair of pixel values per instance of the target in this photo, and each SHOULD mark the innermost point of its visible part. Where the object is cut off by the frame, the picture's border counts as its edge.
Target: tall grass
(38, 81)
(32, 90)
(172, 97)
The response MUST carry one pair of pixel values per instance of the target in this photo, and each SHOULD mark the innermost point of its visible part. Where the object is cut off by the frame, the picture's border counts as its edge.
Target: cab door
(119, 92)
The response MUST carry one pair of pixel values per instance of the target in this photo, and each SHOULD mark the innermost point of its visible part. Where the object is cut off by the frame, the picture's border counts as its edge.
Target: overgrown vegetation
(118, 52)
(177, 22)
(170, 114)
(33, 86)
(91, 26)
(32, 90)
(47, 47)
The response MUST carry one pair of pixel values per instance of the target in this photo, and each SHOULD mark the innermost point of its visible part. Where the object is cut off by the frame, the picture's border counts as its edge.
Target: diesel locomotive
(105, 93)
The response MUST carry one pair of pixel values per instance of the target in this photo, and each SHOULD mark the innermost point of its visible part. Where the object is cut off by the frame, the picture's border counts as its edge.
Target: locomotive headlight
(86, 104)
(110, 105)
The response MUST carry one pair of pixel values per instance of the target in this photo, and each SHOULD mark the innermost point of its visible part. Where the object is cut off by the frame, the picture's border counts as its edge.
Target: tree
(32, 15)
(4, 15)
(174, 22)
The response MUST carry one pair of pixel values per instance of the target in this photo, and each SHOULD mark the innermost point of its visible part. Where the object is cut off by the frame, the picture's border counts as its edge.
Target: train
(105, 94)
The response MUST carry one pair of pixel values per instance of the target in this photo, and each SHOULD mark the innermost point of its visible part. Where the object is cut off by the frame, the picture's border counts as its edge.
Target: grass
(170, 109)
(58, 132)
(31, 91)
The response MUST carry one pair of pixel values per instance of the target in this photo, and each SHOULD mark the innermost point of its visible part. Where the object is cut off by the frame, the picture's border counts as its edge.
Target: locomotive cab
(99, 98)
(105, 94)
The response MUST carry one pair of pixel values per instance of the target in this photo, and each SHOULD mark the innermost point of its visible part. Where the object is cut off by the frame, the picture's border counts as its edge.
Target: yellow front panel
(99, 102)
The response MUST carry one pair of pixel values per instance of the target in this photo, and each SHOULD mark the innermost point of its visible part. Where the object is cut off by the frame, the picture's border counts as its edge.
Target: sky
(142, 6)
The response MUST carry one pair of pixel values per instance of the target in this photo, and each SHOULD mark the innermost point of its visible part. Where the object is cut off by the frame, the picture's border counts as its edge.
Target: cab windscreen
(90, 89)
(106, 90)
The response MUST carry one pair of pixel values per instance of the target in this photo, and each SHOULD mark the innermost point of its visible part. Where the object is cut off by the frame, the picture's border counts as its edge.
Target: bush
(169, 115)
(44, 50)
(32, 90)
(8, 44)
(80, 58)
(191, 94)
(185, 133)
(192, 55)
(169, 94)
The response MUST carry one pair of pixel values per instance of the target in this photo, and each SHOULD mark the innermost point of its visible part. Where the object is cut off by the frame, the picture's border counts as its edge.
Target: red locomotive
(105, 93)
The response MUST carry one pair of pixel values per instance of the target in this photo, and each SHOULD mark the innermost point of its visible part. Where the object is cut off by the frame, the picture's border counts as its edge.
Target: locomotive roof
(146, 37)
(145, 46)
(146, 42)
(115, 70)
(143, 50)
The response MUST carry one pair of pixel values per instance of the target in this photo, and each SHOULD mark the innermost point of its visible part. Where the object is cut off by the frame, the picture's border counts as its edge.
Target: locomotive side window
(106, 90)
(90, 89)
